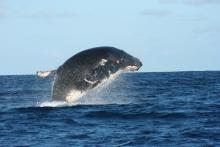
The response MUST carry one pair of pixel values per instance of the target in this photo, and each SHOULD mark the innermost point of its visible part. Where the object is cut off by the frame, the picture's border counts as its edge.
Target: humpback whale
(87, 69)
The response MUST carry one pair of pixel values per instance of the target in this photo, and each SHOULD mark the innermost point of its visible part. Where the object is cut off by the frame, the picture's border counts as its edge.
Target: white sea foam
(84, 101)
(52, 104)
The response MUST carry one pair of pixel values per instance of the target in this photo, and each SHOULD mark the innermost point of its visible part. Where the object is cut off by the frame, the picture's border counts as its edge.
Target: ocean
(134, 109)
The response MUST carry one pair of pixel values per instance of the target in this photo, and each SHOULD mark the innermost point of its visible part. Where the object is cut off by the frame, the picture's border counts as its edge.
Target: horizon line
(31, 74)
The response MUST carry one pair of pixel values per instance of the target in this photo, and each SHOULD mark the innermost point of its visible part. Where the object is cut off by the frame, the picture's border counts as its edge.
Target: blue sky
(167, 35)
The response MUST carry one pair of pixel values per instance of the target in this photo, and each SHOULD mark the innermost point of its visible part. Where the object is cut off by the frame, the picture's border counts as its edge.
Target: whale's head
(130, 63)
(127, 62)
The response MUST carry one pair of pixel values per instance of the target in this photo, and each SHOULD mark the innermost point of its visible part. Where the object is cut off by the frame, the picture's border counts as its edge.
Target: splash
(92, 97)
(74, 95)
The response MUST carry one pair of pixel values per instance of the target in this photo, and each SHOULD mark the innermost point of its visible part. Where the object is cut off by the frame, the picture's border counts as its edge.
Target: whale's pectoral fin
(92, 78)
(44, 74)
(90, 81)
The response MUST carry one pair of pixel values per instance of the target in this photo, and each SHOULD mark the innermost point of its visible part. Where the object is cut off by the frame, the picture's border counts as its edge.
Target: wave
(177, 116)
(83, 101)
(21, 92)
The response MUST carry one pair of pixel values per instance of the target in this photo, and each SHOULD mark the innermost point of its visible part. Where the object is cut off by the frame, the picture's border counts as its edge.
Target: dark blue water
(136, 109)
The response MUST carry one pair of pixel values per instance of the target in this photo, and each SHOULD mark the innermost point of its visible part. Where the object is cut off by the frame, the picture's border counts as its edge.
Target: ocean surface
(134, 109)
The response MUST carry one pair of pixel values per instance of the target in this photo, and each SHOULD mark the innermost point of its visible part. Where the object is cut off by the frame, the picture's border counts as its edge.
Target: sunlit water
(135, 109)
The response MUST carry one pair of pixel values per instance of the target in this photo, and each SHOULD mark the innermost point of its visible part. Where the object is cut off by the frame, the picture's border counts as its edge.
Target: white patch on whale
(102, 62)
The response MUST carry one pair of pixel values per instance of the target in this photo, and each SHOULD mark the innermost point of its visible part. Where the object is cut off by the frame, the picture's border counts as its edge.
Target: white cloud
(47, 14)
(200, 2)
(36, 14)
(167, 1)
(2, 8)
(211, 29)
(2, 12)
(5, 10)
(190, 2)
(156, 13)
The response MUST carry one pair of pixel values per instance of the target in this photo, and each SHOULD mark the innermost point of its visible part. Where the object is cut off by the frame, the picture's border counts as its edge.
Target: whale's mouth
(134, 66)
(131, 68)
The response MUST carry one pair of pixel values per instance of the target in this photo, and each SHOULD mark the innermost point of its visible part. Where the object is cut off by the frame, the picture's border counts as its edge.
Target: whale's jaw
(135, 67)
